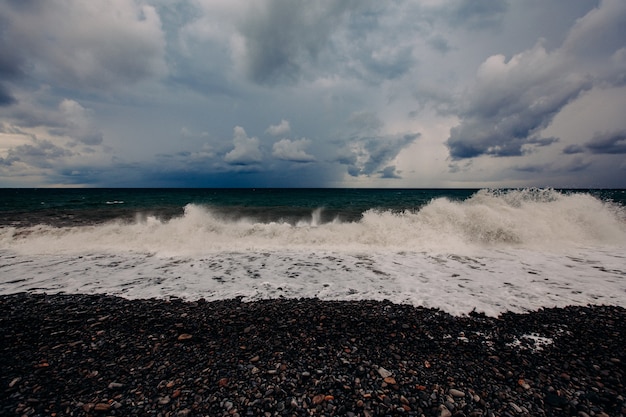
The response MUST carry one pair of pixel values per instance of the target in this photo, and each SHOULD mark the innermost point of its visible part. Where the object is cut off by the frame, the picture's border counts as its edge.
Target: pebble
(456, 393)
(102, 407)
(340, 364)
(444, 412)
(516, 408)
(384, 373)
(318, 399)
(390, 380)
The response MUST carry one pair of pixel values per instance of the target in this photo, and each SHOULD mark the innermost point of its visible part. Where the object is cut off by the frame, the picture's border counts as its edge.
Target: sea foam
(529, 219)
(496, 251)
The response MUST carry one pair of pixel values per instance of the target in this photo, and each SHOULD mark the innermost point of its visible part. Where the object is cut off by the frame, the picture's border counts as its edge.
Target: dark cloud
(283, 38)
(40, 154)
(575, 165)
(370, 155)
(511, 102)
(10, 62)
(608, 143)
(88, 45)
(389, 172)
(573, 149)
(71, 70)
(285, 42)
(600, 33)
(6, 99)
(531, 168)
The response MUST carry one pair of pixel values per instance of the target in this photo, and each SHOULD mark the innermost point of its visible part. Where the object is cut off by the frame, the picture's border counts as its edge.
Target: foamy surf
(495, 251)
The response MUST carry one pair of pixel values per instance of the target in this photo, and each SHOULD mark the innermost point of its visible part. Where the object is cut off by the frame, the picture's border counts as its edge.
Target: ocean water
(457, 250)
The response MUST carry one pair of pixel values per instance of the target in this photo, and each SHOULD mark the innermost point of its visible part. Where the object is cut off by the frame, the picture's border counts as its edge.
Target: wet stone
(111, 356)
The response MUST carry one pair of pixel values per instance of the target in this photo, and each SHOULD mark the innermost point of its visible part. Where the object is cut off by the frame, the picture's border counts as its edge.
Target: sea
(458, 250)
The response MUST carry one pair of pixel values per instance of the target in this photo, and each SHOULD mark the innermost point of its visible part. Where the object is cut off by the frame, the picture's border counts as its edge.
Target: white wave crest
(528, 219)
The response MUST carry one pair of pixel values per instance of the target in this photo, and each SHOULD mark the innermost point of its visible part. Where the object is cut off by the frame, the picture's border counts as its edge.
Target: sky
(323, 93)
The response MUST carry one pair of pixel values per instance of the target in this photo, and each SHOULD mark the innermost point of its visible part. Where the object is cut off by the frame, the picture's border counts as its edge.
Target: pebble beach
(99, 355)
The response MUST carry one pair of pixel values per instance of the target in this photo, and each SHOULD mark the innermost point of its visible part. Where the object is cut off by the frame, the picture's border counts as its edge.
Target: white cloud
(246, 150)
(512, 102)
(80, 123)
(280, 129)
(294, 151)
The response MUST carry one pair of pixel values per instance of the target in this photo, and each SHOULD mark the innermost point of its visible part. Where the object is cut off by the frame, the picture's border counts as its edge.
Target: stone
(390, 380)
(102, 407)
(318, 399)
(444, 412)
(383, 372)
(456, 393)
(516, 408)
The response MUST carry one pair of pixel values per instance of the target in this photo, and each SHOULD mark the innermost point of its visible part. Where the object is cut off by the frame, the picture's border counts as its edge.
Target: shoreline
(85, 355)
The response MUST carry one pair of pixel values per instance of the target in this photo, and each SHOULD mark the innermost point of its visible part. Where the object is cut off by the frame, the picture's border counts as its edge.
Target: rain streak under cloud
(272, 93)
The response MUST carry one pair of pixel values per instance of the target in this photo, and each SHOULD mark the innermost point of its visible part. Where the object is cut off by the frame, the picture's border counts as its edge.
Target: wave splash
(542, 219)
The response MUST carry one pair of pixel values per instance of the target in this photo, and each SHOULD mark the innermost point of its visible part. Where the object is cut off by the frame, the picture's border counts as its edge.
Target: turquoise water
(63, 207)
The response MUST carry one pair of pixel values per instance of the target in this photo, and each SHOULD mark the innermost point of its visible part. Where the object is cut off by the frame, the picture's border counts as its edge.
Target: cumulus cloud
(79, 123)
(513, 100)
(475, 77)
(280, 129)
(92, 45)
(54, 142)
(246, 150)
(293, 151)
(67, 119)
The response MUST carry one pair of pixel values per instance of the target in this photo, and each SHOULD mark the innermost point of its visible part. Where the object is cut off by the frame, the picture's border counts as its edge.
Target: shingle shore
(96, 355)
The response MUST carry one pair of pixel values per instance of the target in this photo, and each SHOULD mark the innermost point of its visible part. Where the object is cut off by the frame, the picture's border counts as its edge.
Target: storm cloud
(270, 93)
(513, 99)
(608, 143)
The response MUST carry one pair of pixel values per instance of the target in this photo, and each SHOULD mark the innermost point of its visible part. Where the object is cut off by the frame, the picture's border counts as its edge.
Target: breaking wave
(529, 218)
